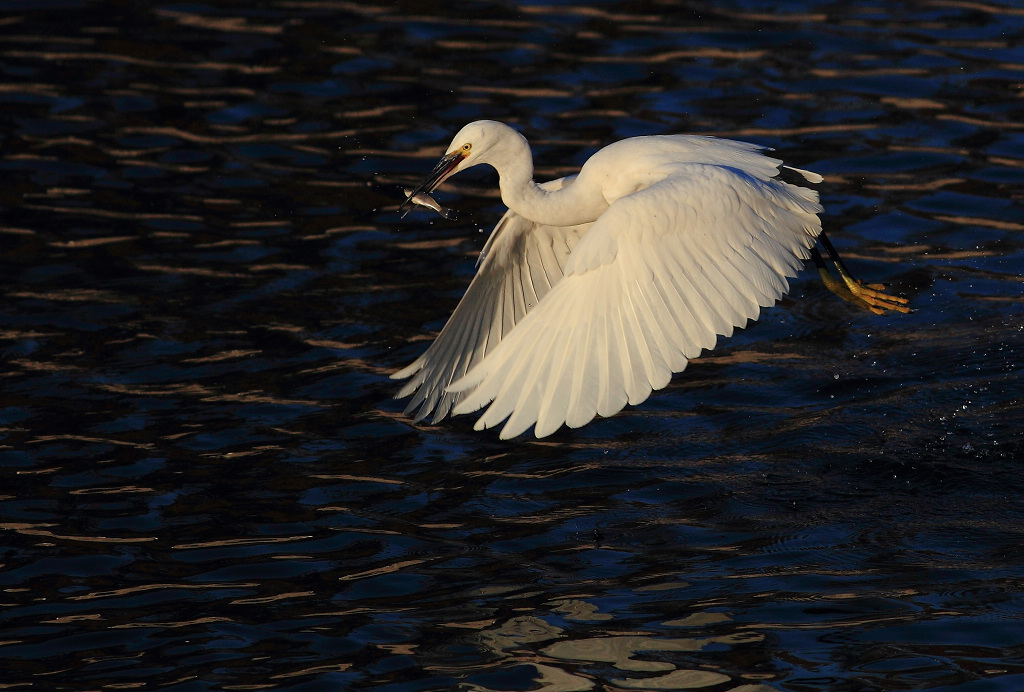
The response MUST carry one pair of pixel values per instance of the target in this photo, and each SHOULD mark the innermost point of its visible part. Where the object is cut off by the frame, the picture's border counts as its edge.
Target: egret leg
(868, 296)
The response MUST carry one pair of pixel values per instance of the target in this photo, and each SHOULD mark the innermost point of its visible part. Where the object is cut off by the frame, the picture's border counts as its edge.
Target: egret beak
(442, 170)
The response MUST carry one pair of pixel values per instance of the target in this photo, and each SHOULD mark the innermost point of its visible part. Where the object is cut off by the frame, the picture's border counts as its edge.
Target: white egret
(594, 288)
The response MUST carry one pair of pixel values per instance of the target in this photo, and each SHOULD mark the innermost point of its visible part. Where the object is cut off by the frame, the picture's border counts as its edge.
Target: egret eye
(466, 147)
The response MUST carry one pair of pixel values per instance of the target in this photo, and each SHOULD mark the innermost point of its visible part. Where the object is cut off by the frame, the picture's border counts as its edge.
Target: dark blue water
(205, 483)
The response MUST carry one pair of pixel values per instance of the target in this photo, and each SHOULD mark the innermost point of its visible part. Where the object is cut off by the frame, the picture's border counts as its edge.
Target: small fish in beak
(424, 200)
(444, 168)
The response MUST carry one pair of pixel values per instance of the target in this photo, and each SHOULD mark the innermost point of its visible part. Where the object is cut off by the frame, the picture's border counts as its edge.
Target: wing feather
(584, 394)
(612, 391)
(633, 367)
(676, 291)
(674, 323)
(660, 323)
(554, 404)
(648, 335)
(530, 281)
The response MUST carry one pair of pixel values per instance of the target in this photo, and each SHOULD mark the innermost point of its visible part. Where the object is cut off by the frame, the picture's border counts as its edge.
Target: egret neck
(572, 205)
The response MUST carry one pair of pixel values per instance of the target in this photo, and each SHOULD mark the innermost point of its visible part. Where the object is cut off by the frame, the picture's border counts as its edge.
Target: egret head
(483, 141)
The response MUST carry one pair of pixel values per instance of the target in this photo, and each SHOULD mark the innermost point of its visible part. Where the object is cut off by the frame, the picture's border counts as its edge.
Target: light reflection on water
(205, 484)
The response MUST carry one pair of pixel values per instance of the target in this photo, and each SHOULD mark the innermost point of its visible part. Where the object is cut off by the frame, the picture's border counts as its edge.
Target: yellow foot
(868, 296)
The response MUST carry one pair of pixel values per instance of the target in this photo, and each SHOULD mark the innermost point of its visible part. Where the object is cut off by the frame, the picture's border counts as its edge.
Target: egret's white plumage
(593, 289)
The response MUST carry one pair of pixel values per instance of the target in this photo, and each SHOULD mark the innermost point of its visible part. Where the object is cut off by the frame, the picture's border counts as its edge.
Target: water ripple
(206, 484)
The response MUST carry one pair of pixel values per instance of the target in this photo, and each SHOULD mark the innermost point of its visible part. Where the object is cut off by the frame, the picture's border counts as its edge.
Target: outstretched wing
(660, 275)
(519, 264)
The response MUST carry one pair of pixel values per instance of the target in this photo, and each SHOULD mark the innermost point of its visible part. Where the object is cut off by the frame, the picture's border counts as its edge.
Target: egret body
(594, 288)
